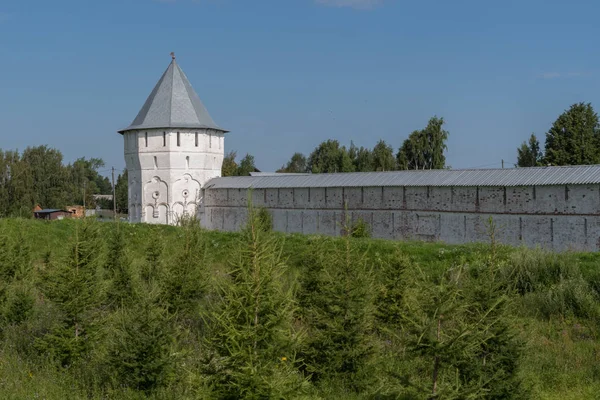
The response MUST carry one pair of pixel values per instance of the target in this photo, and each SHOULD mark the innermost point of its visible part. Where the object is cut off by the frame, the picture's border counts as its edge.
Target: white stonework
(165, 179)
(172, 148)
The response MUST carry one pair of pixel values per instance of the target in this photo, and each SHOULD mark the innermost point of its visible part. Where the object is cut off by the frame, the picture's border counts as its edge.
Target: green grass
(562, 349)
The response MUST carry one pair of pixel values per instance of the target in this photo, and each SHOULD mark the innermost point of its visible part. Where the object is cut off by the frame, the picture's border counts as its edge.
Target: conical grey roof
(173, 104)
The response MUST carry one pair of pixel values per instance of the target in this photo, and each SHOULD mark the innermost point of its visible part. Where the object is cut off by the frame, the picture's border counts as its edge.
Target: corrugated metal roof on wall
(539, 176)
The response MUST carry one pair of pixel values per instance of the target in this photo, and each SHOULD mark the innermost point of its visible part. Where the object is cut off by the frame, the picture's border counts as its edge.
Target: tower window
(146, 138)
(210, 140)
(196, 139)
(178, 139)
(187, 162)
(155, 163)
(164, 138)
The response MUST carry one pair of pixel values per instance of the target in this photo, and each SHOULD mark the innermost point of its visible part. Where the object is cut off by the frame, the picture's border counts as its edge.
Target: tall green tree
(185, 280)
(16, 186)
(383, 157)
(229, 167)
(251, 345)
(297, 164)
(121, 192)
(140, 349)
(330, 157)
(424, 149)
(364, 161)
(574, 138)
(72, 285)
(458, 325)
(49, 178)
(362, 158)
(119, 270)
(336, 301)
(530, 153)
(246, 166)
(86, 181)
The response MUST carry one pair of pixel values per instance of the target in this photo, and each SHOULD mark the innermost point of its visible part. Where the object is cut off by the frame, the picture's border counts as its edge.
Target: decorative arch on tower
(186, 196)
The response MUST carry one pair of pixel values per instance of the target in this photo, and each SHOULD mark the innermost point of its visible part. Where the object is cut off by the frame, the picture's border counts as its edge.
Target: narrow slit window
(164, 139)
(210, 140)
(187, 162)
(146, 139)
(155, 163)
(196, 139)
(178, 139)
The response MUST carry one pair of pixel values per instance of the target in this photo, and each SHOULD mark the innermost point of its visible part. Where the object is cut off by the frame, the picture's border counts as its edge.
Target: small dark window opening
(178, 139)
(196, 139)
(146, 138)
(164, 138)
(210, 140)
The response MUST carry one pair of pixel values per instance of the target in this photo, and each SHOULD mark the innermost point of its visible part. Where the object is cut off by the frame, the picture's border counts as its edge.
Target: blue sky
(284, 75)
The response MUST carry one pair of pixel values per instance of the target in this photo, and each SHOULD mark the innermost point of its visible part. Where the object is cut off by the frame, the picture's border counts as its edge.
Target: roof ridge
(508, 177)
(170, 108)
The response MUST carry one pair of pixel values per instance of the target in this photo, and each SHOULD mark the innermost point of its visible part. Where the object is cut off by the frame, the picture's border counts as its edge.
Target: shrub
(264, 220)
(360, 229)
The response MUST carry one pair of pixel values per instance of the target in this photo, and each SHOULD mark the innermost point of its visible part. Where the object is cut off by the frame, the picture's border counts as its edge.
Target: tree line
(573, 139)
(38, 176)
(423, 149)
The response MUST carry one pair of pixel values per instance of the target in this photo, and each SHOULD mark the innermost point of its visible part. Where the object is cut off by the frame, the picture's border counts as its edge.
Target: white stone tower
(172, 148)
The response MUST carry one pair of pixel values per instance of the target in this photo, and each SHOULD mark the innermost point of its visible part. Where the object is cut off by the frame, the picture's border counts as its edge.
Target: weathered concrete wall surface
(552, 217)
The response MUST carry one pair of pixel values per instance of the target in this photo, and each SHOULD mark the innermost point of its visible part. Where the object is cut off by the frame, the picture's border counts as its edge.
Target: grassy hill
(103, 310)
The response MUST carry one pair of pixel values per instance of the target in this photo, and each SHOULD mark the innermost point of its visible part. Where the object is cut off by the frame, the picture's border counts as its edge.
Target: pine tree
(390, 294)
(15, 257)
(185, 278)
(140, 352)
(337, 307)
(153, 264)
(530, 154)
(18, 303)
(456, 323)
(118, 267)
(251, 344)
(16, 294)
(72, 285)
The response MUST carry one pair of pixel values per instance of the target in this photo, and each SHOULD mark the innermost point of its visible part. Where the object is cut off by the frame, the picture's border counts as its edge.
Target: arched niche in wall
(156, 194)
(186, 189)
(186, 193)
(163, 214)
(156, 191)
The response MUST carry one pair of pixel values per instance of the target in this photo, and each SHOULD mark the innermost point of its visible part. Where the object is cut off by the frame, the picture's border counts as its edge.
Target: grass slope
(558, 322)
